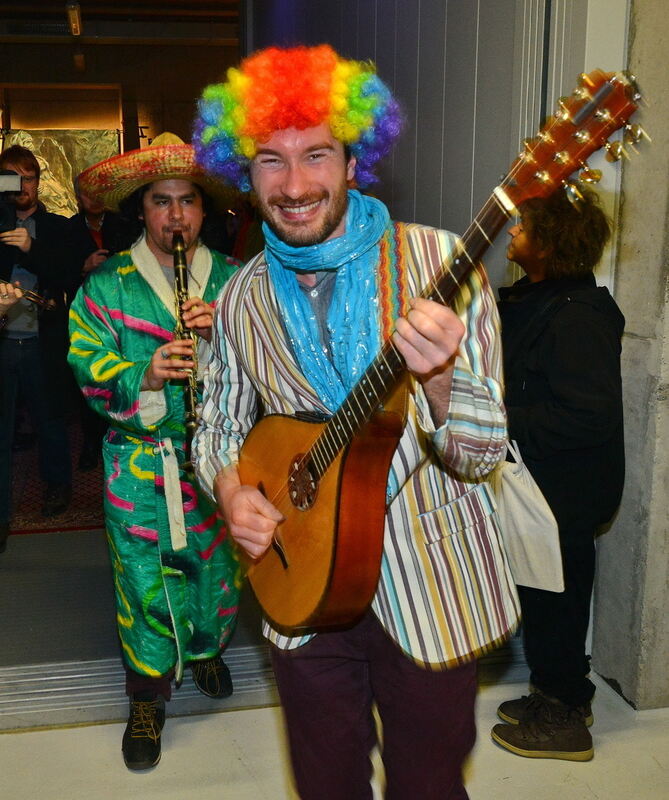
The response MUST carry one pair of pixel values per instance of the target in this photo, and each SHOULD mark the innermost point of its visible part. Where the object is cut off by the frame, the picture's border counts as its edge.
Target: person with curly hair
(294, 331)
(561, 336)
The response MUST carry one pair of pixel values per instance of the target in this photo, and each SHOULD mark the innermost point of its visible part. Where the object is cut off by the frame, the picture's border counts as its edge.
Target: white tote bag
(529, 529)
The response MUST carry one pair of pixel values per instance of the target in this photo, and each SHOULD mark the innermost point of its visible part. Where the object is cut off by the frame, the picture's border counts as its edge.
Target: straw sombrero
(165, 158)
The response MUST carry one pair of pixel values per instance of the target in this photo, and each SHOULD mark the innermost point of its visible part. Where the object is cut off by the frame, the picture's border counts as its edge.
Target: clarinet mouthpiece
(178, 242)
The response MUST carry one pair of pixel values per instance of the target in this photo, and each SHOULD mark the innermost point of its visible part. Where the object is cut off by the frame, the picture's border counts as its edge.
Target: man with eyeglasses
(33, 344)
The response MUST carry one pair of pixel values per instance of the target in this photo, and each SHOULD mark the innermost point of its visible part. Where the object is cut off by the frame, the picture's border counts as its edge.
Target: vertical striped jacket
(445, 594)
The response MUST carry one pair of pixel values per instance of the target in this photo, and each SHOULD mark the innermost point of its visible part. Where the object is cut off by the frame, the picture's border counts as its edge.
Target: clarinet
(182, 332)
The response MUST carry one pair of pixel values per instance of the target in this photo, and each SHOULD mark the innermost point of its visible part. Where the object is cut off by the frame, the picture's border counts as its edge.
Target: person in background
(94, 234)
(294, 330)
(248, 239)
(561, 335)
(9, 296)
(175, 568)
(33, 341)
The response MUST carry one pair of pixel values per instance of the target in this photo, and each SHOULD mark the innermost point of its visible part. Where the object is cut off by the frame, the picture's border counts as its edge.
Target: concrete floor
(240, 755)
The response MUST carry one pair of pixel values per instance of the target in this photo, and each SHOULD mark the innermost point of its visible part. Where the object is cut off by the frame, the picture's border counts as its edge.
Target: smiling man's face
(301, 178)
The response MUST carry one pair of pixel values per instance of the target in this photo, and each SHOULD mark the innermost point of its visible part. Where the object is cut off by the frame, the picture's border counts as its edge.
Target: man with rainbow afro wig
(295, 330)
(297, 88)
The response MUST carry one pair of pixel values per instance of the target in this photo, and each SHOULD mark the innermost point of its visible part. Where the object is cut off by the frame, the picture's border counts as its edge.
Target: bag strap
(513, 451)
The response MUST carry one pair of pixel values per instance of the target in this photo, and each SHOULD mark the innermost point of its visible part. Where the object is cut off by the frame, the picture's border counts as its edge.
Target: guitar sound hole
(302, 486)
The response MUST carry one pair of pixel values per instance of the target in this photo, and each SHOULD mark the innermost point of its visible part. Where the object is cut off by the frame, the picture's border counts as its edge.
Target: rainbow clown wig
(298, 87)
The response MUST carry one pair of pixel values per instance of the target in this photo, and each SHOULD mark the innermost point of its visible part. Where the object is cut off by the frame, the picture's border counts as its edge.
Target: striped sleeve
(229, 406)
(472, 438)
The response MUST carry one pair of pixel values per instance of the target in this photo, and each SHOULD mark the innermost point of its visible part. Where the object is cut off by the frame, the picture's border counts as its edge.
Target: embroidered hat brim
(118, 177)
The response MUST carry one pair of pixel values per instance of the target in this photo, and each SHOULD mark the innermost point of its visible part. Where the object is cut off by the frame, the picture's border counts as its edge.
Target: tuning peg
(563, 113)
(634, 133)
(588, 175)
(573, 193)
(545, 137)
(585, 80)
(633, 83)
(615, 151)
(527, 153)
(581, 93)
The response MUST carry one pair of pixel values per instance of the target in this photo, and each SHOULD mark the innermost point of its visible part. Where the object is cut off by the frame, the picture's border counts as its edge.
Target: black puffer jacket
(561, 343)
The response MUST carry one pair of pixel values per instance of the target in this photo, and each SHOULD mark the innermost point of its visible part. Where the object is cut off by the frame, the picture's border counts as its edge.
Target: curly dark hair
(573, 234)
(132, 208)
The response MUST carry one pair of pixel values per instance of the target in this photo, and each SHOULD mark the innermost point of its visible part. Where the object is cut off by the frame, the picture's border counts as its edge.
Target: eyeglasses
(28, 178)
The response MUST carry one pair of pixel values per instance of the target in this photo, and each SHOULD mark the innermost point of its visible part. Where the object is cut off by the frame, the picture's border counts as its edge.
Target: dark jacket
(56, 280)
(47, 257)
(81, 242)
(561, 342)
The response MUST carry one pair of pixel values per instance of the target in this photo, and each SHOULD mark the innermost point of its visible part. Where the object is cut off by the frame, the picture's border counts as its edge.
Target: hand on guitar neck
(251, 518)
(428, 339)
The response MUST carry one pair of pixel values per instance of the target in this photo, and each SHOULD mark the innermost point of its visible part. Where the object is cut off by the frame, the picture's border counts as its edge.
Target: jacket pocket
(470, 508)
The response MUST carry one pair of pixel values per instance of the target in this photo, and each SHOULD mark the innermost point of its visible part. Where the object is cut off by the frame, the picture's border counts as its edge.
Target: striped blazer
(445, 593)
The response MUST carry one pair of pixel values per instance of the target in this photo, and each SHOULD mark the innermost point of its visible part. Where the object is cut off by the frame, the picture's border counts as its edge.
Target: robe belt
(173, 497)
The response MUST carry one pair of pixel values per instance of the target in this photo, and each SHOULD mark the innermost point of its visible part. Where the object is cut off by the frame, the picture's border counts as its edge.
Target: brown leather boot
(212, 677)
(141, 739)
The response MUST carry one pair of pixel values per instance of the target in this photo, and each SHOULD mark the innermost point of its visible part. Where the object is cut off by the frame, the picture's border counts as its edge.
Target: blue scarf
(352, 319)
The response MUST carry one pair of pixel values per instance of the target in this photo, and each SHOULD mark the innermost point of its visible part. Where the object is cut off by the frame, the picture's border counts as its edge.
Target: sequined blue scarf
(352, 319)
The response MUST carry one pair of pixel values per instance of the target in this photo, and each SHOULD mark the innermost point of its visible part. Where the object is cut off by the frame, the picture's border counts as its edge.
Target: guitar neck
(388, 366)
(601, 104)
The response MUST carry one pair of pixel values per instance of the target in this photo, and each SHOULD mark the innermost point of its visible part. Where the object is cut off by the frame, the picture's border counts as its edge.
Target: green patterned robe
(175, 569)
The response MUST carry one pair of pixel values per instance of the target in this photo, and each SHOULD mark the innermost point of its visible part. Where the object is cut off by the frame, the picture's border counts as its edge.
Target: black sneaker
(527, 707)
(556, 732)
(141, 739)
(56, 499)
(212, 677)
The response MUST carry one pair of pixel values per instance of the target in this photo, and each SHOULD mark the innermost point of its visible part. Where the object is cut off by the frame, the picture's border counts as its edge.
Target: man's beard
(296, 236)
(23, 202)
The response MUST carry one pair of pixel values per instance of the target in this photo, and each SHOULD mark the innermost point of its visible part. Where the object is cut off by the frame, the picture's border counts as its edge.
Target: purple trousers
(328, 688)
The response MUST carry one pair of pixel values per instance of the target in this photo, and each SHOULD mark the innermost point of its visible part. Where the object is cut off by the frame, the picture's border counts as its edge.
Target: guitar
(329, 478)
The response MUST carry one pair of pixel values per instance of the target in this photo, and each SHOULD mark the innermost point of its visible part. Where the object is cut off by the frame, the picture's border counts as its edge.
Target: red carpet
(85, 510)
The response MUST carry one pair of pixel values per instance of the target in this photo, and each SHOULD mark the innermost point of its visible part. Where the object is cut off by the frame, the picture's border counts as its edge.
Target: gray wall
(631, 633)
(450, 64)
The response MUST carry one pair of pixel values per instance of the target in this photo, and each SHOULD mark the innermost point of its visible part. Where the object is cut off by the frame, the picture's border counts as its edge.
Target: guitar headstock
(602, 103)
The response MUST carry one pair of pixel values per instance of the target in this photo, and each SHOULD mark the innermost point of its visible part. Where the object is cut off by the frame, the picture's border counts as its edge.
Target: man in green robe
(175, 568)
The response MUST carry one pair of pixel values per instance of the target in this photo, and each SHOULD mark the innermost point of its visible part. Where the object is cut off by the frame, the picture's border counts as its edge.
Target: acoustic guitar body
(323, 570)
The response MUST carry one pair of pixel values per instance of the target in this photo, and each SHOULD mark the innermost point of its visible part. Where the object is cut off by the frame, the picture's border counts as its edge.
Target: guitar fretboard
(382, 374)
